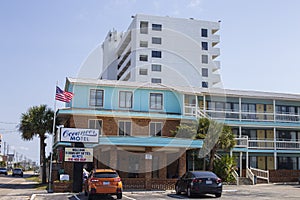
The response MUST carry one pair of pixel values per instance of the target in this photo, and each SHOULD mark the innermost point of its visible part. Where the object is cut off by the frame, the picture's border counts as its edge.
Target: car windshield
(17, 169)
(105, 175)
(2, 168)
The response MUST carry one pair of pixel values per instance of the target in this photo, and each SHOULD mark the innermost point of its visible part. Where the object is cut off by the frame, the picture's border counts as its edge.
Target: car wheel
(218, 195)
(177, 190)
(119, 196)
(189, 192)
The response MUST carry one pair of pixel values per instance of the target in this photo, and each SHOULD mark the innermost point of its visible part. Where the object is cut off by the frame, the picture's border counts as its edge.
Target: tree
(224, 167)
(37, 121)
(215, 135)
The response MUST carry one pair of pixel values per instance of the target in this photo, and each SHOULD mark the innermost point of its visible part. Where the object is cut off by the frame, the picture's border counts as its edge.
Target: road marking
(76, 197)
(128, 197)
(33, 197)
(229, 190)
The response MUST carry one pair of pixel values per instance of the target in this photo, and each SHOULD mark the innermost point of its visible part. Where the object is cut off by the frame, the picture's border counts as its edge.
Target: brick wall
(140, 127)
(284, 175)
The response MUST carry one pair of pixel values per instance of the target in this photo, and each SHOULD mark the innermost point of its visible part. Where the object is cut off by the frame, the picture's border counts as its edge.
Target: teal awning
(143, 142)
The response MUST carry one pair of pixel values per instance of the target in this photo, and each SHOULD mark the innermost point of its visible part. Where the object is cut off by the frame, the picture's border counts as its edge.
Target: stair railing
(236, 177)
(259, 173)
(250, 175)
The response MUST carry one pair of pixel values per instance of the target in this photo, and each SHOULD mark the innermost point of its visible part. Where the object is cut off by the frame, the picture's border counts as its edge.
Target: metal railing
(250, 175)
(287, 144)
(268, 143)
(191, 109)
(261, 144)
(242, 142)
(259, 173)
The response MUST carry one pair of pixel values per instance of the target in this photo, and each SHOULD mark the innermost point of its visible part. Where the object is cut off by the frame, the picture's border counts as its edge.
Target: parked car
(3, 170)
(17, 172)
(103, 181)
(199, 182)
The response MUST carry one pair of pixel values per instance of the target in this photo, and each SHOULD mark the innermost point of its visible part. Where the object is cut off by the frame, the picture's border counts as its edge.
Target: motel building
(133, 121)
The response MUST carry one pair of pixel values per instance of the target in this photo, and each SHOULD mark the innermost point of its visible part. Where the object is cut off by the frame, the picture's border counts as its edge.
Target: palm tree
(37, 121)
(216, 136)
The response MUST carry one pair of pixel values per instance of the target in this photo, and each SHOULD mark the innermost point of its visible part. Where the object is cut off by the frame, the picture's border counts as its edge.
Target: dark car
(3, 170)
(199, 182)
(17, 172)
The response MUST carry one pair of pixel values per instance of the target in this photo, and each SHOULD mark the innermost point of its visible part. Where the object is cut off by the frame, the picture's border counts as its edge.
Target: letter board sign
(78, 154)
(79, 135)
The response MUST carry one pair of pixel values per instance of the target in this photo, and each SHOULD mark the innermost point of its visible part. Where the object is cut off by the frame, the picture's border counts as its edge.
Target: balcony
(267, 144)
(126, 39)
(244, 115)
(216, 65)
(215, 78)
(215, 39)
(214, 52)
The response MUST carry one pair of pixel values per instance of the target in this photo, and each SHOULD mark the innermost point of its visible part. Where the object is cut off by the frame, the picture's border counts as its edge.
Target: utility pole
(4, 152)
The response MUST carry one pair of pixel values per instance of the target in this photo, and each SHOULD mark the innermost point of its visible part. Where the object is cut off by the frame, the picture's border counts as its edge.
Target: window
(204, 32)
(143, 71)
(204, 59)
(156, 40)
(204, 84)
(155, 128)
(204, 72)
(143, 57)
(156, 54)
(143, 43)
(155, 80)
(125, 99)
(96, 97)
(144, 27)
(156, 67)
(96, 124)
(156, 101)
(156, 27)
(204, 45)
(124, 128)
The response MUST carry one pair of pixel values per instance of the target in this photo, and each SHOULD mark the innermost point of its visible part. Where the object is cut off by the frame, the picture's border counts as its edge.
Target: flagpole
(50, 190)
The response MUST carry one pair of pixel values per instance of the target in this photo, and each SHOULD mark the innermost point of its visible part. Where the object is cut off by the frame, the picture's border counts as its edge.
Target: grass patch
(38, 185)
(34, 179)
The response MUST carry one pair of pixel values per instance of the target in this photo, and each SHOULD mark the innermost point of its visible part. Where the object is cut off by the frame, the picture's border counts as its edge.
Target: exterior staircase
(244, 181)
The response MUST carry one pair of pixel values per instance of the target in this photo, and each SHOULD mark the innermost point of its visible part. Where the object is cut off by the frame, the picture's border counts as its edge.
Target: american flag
(63, 95)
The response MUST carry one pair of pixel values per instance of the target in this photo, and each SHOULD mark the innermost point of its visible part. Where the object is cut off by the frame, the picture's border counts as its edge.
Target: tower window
(156, 27)
(204, 32)
(156, 54)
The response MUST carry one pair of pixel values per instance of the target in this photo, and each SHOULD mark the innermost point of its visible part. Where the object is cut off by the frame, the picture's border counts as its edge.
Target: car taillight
(197, 180)
(219, 180)
(117, 180)
(94, 180)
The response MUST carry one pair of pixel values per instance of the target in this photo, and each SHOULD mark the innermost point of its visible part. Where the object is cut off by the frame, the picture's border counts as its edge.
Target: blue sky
(42, 42)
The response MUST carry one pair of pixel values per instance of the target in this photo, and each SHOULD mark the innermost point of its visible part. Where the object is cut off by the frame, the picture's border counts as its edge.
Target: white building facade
(166, 50)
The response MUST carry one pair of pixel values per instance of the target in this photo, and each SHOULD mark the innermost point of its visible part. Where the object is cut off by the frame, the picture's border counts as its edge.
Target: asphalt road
(244, 192)
(17, 188)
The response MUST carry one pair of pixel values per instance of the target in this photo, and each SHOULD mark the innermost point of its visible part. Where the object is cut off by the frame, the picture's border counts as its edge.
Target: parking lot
(243, 192)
